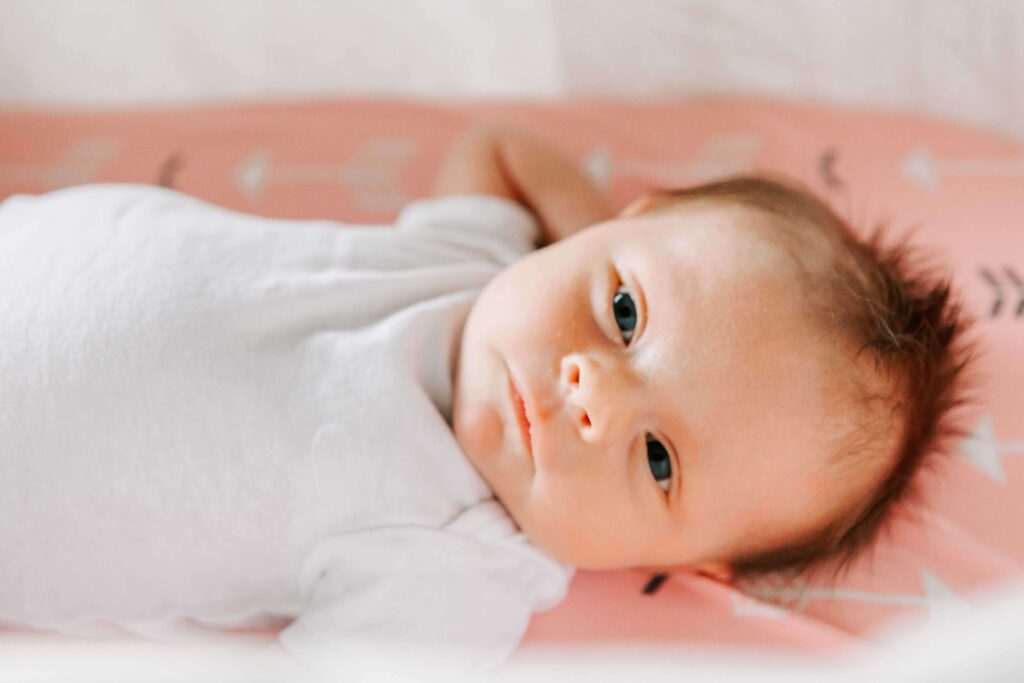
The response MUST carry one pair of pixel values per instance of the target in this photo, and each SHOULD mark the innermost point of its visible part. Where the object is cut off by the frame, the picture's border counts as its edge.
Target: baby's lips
(520, 413)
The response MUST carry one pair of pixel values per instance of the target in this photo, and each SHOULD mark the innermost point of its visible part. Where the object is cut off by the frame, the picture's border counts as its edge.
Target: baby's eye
(659, 462)
(625, 313)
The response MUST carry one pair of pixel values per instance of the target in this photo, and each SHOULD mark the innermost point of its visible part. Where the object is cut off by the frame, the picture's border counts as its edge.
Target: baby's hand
(501, 160)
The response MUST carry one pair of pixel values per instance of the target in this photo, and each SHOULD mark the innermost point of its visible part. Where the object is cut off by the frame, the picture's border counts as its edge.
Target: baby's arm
(500, 160)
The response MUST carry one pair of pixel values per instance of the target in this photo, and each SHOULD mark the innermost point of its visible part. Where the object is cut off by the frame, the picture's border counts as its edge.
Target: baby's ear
(638, 205)
(719, 571)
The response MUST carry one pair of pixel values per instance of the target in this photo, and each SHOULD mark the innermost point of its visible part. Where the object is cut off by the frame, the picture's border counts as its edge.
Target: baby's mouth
(519, 407)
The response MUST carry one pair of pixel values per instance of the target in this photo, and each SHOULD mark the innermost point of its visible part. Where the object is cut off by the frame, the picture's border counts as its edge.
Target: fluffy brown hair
(869, 298)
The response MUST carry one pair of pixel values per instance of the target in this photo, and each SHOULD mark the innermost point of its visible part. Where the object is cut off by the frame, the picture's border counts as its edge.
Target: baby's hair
(867, 298)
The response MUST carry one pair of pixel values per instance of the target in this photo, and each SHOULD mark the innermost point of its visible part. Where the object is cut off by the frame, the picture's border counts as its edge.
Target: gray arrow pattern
(992, 279)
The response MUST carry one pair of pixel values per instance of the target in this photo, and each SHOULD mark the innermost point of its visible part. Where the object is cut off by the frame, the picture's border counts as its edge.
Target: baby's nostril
(585, 420)
(574, 374)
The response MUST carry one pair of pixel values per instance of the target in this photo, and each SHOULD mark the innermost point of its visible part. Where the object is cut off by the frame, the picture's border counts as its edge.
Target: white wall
(957, 58)
(125, 51)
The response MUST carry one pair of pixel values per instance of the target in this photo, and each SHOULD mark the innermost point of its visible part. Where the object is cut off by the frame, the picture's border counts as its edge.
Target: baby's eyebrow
(643, 269)
(649, 270)
(641, 293)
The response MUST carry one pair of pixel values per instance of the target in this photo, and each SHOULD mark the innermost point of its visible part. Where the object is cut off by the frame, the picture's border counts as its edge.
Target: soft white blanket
(981, 645)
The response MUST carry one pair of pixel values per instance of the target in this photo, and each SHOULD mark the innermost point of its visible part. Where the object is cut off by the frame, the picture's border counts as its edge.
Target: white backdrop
(955, 58)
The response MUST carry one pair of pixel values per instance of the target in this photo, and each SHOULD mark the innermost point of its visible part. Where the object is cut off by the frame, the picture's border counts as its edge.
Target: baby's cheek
(478, 429)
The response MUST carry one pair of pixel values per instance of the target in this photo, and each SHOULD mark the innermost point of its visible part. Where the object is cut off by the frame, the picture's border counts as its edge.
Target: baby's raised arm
(504, 161)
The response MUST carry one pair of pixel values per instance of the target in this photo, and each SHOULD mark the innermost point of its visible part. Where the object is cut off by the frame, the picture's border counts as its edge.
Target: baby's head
(722, 379)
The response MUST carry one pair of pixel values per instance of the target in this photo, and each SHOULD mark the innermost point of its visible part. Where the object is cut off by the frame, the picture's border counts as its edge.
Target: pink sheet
(360, 161)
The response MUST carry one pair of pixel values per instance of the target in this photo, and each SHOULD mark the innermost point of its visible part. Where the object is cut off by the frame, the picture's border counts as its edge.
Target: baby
(399, 442)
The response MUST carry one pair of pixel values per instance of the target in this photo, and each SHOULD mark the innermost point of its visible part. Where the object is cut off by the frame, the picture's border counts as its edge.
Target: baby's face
(672, 395)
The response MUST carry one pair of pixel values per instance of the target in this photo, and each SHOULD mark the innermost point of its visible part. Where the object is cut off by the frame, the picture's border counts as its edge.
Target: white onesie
(212, 419)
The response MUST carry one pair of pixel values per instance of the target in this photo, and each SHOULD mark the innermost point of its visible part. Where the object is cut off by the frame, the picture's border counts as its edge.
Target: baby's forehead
(725, 245)
(721, 300)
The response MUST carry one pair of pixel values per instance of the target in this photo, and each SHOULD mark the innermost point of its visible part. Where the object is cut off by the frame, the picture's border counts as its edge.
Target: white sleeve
(498, 228)
(421, 598)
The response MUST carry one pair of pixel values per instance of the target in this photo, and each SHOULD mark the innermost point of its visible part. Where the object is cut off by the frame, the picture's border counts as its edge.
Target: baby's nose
(595, 401)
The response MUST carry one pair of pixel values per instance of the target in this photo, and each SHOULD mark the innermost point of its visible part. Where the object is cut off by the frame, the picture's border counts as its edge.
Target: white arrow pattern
(372, 178)
(719, 156)
(923, 169)
(981, 449)
(781, 597)
(80, 164)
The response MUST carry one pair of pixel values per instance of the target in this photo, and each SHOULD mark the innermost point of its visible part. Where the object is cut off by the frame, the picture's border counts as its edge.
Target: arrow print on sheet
(992, 280)
(720, 156)
(827, 169)
(921, 168)
(372, 177)
(169, 171)
(981, 449)
(777, 598)
(80, 164)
